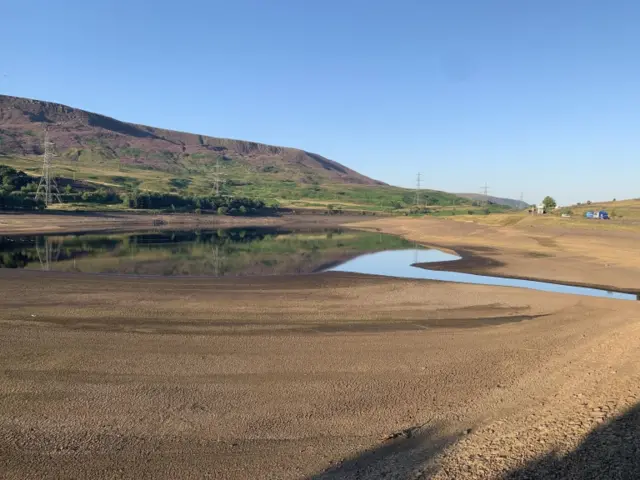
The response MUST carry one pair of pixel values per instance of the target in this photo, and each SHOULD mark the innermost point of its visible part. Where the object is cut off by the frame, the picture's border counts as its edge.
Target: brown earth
(37, 223)
(322, 376)
(606, 258)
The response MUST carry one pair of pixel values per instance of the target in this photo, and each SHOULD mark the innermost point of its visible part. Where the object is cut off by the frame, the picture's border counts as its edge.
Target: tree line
(17, 190)
(195, 203)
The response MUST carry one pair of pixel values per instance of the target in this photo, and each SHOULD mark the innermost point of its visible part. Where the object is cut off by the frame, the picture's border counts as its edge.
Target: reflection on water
(238, 251)
(248, 251)
(398, 263)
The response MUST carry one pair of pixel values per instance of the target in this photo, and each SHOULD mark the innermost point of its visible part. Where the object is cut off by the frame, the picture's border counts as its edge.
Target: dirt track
(290, 377)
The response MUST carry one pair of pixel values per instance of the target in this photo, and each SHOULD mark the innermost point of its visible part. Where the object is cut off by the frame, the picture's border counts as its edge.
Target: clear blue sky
(533, 96)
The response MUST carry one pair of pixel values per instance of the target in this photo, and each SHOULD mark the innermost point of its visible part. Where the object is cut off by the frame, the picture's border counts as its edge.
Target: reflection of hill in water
(250, 251)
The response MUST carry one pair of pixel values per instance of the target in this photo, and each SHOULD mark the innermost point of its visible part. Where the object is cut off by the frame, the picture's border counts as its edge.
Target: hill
(78, 134)
(120, 155)
(510, 202)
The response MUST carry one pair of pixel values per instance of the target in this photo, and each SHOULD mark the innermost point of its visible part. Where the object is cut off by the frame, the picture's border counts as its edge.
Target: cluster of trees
(100, 196)
(549, 203)
(170, 201)
(17, 190)
(18, 201)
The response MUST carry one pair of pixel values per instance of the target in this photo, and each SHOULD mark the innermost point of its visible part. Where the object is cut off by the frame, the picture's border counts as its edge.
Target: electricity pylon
(48, 188)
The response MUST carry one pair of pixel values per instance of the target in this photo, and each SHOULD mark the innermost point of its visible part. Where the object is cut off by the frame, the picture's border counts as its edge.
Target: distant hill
(118, 155)
(79, 134)
(510, 202)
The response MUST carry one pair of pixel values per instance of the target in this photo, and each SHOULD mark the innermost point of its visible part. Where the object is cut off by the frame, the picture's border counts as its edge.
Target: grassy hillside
(238, 182)
(625, 215)
(86, 137)
(107, 153)
(619, 210)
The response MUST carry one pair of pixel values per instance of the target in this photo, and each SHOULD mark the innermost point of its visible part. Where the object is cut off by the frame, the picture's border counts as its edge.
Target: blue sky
(533, 96)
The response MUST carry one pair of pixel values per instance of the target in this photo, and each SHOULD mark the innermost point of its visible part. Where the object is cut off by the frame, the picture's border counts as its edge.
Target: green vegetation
(621, 210)
(549, 203)
(17, 190)
(180, 183)
(126, 182)
(164, 201)
(100, 196)
(195, 175)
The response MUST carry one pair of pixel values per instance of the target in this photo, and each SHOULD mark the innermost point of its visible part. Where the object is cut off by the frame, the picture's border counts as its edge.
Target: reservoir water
(223, 252)
(249, 251)
(399, 263)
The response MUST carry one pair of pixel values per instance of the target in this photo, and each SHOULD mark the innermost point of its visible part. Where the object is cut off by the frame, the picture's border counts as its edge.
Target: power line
(485, 191)
(217, 177)
(418, 189)
(48, 188)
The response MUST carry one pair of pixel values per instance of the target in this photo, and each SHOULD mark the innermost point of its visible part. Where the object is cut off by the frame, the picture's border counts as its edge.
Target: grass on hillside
(577, 220)
(243, 181)
(624, 209)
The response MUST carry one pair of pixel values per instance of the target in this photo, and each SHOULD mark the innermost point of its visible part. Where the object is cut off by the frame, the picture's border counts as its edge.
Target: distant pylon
(217, 178)
(418, 189)
(485, 192)
(47, 188)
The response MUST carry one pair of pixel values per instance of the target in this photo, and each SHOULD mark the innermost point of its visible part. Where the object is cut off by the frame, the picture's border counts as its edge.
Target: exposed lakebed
(250, 251)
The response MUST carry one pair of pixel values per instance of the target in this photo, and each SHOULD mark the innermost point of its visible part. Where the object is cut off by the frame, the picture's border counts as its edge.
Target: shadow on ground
(405, 457)
(611, 451)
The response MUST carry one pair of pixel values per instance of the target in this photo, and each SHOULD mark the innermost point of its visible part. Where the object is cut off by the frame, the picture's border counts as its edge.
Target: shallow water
(256, 251)
(399, 263)
(223, 252)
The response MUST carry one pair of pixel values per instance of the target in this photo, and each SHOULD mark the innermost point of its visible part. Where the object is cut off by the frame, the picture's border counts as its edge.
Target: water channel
(399, 263)
(249, 251)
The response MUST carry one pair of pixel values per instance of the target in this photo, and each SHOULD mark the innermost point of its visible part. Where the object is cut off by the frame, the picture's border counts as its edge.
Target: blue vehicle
(602, 215)
(589, 215)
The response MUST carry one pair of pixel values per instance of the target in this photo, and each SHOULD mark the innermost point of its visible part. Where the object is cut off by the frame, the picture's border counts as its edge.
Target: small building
(540, 209)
